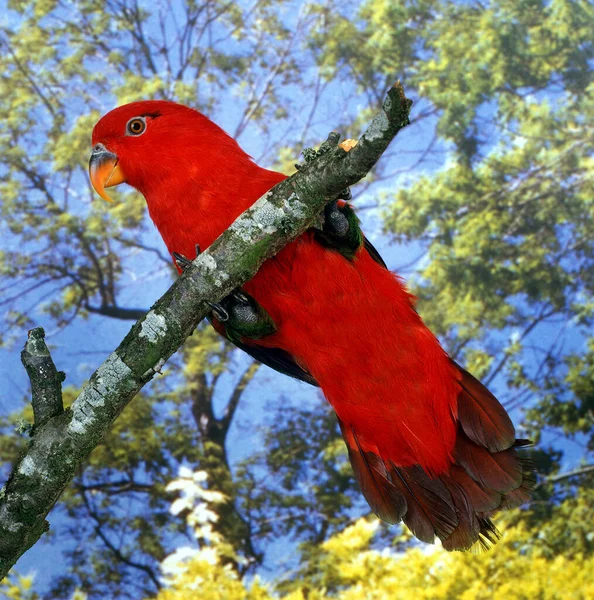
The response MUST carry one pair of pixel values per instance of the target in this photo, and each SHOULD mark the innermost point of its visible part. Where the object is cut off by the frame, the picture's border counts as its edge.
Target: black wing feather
(374, 253)
(279, 360)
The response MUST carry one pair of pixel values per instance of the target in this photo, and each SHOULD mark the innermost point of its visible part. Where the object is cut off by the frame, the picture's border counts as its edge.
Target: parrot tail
(487, 475)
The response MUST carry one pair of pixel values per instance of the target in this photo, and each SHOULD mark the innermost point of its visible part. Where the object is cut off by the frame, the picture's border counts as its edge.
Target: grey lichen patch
(243, 229)
(153, 327)
(295, 207)
(207, 264)
(378, 128)
(10, 525)
(267, 216)
(27, 467)
(98, 391)
(209, 267)
(222, 277)
(264, 217)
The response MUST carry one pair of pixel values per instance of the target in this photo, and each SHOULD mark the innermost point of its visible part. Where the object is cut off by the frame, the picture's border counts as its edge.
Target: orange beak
(104, 170)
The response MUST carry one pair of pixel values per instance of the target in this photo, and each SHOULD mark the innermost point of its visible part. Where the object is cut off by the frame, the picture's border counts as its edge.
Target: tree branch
(61, 444)
(117, 312)
(583, 470)
(118, 554)
(46, 380)
(537, 320)
(231, 407)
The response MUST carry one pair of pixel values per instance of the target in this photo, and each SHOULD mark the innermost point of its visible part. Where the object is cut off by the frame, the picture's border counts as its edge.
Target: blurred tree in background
(491, 189)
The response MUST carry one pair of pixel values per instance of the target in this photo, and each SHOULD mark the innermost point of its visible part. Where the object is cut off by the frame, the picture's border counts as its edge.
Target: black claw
(345, 195)
(181, 261)
(240, 297)
(219, 312)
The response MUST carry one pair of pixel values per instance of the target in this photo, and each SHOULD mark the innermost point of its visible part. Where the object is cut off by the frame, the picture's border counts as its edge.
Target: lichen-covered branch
(46, 380)
(63, 442)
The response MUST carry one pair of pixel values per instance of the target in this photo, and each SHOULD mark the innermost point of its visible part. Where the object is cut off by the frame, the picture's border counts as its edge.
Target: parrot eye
(136, 126)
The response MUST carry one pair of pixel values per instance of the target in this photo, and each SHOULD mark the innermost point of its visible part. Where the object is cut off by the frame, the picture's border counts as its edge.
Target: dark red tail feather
(500, 473)
(487, 475)
(482, 417)
(374, 480)
(431, 508)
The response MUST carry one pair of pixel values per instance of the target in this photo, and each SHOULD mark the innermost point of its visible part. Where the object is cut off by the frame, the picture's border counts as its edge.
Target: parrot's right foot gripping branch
(341, 230)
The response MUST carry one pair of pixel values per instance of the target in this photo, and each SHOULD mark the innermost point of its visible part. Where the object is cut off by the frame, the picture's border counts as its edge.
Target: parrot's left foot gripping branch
(237, 315)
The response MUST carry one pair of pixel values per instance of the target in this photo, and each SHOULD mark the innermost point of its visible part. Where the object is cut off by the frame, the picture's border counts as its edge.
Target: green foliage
(308, 491)
(576, 415)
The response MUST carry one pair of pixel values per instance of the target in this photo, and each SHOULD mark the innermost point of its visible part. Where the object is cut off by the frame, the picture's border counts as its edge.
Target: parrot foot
(218, 312)
(341, 229)
(181, 261)
(245, 317)
(241, 314)
(229, 304)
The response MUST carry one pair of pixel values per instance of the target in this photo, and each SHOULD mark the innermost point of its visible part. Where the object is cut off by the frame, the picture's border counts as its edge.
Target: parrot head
(195, 177)
(155, 143)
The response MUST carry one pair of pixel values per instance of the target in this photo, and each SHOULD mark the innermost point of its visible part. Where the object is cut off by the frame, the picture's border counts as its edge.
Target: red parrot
(429, 444)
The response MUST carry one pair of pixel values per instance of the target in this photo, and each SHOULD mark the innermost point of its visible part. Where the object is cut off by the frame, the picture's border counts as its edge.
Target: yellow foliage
(508, 572)
(518, 568)
(17, 587)
(201, 578)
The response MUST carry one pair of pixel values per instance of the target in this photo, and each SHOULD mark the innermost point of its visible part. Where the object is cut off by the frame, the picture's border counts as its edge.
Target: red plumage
(428, 443)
